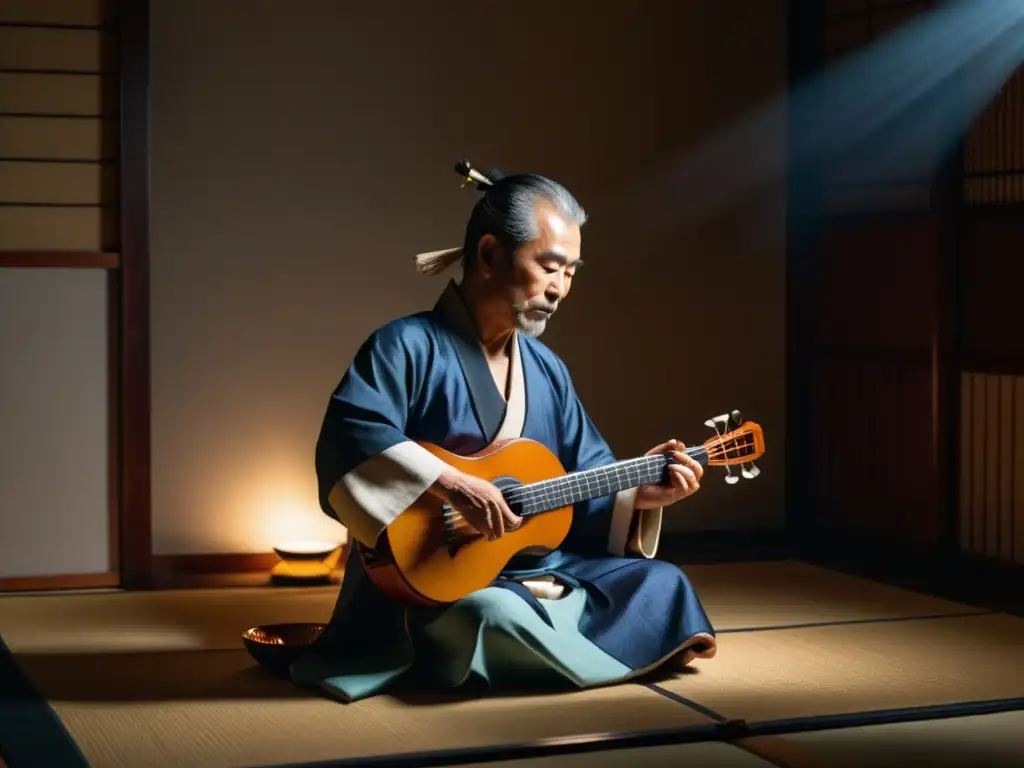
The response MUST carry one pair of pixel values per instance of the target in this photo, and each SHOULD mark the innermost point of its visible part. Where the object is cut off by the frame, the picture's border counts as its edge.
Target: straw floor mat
(834, 670)
(160, 678)
(985, 741)
(737, 596)
(212, 710)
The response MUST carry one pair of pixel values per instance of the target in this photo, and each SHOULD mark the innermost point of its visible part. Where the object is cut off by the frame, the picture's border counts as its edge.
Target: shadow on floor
(209, 675)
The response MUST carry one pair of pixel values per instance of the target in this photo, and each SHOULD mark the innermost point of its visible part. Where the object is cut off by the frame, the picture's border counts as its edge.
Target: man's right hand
(478, 501)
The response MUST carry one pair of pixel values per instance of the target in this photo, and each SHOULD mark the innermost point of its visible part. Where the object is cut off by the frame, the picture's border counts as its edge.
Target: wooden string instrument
(429, 555)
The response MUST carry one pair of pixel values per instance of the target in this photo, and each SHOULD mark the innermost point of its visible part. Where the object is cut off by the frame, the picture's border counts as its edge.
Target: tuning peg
(736, 419)
(730, 478)
(716, 423)
(749, 470)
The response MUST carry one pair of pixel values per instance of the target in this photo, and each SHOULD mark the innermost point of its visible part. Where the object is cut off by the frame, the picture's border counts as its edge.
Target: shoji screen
(992, 330)
(58, 250)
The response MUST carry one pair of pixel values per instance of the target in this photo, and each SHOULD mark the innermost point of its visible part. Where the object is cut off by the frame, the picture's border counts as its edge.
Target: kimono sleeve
(368, 470)
(607, 524)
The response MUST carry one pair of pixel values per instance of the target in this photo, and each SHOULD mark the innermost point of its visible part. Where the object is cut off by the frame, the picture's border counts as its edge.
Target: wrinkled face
(539, 277)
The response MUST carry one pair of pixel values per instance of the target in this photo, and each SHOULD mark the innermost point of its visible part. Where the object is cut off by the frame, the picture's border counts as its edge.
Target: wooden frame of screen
(136, 550)
(127, 269)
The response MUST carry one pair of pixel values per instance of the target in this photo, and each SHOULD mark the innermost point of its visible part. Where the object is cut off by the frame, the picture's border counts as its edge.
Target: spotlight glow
(890, 111)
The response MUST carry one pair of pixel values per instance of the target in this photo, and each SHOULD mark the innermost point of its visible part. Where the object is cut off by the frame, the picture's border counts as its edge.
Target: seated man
(599, 609)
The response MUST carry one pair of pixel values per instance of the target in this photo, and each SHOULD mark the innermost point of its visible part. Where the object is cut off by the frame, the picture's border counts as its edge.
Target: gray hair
(507, 210)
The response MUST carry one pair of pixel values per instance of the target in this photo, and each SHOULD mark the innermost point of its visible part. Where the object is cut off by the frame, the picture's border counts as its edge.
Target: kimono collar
(494, 414)
(453, 309)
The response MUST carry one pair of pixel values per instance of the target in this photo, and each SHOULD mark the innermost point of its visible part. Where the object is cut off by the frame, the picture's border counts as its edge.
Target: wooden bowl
(276, 646)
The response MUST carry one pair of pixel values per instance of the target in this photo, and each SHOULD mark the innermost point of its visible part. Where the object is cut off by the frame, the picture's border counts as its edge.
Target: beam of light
(891, 111)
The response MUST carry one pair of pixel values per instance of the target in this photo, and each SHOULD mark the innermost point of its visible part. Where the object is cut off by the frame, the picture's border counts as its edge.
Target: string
(718, 450)
(551, 491)
(523, 491)
(544, 499)
(542, 496)
(736, 445)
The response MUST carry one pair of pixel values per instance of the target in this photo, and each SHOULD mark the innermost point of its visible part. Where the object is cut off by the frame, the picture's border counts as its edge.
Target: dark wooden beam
(60, 581)
(114, 422)
(135, 557)
(997, 365)
(60, 259)
(946, 347)
(805, 34)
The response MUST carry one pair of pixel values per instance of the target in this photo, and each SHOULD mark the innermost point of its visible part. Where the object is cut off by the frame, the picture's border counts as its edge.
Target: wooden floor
(815, 667)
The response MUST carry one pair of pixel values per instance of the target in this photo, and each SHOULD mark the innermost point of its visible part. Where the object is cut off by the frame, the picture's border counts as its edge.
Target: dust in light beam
(891, 111)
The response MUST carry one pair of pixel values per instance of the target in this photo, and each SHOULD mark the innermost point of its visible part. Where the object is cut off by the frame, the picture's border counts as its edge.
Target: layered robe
(600, 609)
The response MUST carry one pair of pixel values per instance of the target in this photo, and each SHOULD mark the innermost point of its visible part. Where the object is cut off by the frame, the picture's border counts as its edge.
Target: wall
(301, 157)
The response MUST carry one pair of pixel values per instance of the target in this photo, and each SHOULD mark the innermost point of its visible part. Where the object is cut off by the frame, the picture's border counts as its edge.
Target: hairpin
(471, 175)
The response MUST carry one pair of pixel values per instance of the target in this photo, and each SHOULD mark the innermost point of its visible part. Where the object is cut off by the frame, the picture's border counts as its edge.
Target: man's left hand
(683, 479)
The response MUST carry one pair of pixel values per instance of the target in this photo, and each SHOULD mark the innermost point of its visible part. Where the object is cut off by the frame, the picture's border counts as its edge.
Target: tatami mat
(842, 669)
(161, 678)
(211, 708)
(785, 593)
(172, 620)
(736, 596)
(986, 741)
(704, 755)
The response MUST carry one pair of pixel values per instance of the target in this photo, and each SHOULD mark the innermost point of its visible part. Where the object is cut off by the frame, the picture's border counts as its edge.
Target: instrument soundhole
(507, 485)
(458, 536)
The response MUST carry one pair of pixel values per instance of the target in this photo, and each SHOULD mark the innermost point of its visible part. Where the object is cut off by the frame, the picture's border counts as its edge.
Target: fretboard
(534, 498)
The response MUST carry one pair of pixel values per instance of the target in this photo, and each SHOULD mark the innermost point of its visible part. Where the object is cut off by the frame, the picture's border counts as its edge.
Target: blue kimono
(598, 610)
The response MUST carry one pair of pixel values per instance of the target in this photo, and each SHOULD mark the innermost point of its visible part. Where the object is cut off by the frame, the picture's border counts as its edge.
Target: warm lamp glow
(273, 500)
(304, 549)
(305, 562)
(289, 519)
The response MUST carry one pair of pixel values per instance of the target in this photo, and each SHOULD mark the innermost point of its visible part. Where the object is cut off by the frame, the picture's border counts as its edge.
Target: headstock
(736, 442)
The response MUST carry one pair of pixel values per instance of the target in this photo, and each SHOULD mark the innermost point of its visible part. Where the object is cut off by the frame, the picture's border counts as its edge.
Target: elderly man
(599, 609)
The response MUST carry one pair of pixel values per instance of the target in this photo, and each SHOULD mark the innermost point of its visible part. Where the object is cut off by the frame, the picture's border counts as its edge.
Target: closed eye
(552, 262)
(568, 273)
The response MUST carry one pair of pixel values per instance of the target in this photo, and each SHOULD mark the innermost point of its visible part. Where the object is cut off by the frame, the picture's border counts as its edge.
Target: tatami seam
(691, 734)
(845, 622)
(689, 703)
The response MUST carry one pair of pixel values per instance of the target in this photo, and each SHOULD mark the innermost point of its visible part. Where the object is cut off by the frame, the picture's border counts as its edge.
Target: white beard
(528, 327)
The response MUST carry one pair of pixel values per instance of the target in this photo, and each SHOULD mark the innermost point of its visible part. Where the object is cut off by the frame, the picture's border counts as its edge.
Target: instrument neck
(576, 487)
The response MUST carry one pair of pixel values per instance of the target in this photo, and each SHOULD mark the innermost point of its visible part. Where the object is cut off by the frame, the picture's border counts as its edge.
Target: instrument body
(430, 556)
(426, 565)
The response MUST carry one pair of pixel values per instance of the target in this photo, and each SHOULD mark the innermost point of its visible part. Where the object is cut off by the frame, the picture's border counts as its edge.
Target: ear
(488, 253)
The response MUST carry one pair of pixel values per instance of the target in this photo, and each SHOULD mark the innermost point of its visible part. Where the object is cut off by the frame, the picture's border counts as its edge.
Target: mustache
(534, 306)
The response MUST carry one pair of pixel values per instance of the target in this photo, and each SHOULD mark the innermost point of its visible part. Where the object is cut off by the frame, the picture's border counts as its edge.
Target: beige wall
(301, 156)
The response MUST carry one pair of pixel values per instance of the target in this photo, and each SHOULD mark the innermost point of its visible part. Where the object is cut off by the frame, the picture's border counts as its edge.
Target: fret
(576, 487)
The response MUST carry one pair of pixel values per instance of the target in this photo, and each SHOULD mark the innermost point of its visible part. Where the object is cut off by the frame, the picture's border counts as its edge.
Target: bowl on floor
(276, 646)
